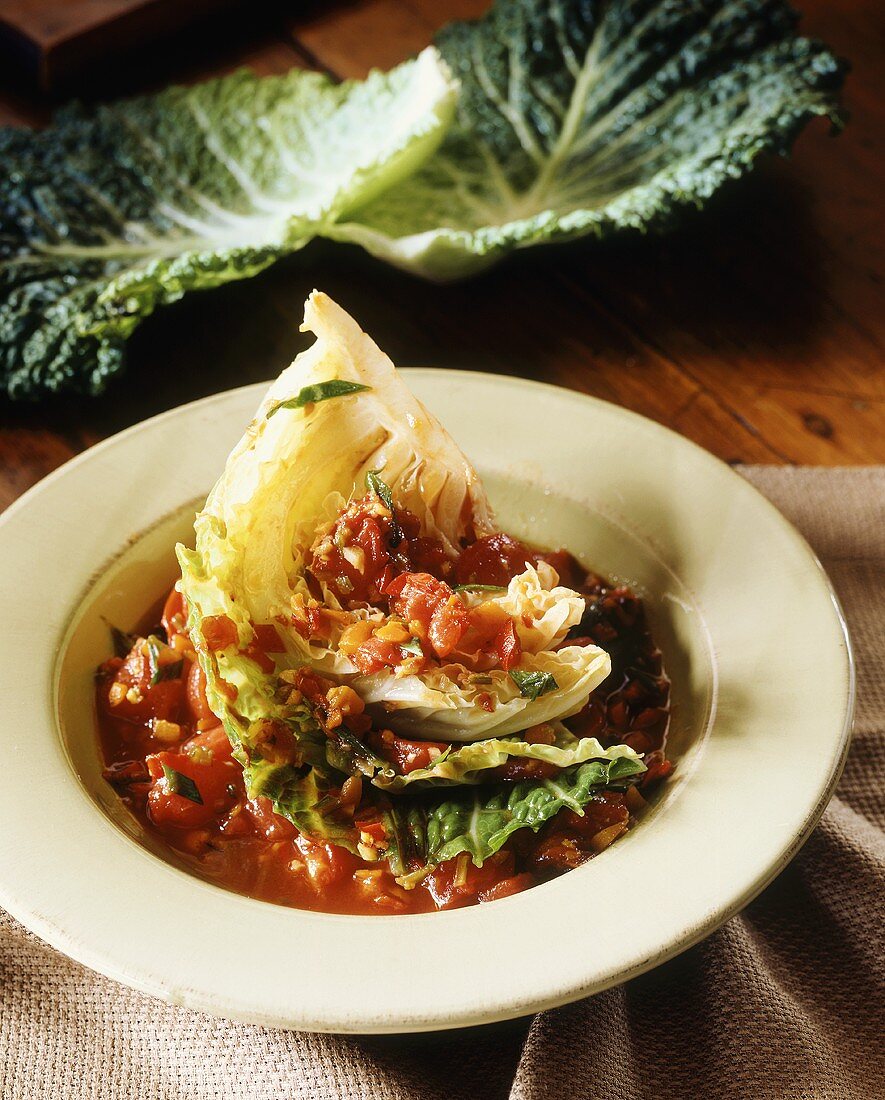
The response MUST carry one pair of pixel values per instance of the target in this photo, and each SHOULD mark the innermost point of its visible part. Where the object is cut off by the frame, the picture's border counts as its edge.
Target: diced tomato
(213, 740)
(219, 632)
(427, 556)
(507, 886)
(256, 654)
(447, 624)
(325, 864)
(375, 654)
(557, 852)
(450, 893)
(212, 778)
(590, 721)
(132, 697)
(430, 603)
(195, 694)
(605, 809)
(506, 647)
(174, 617)
(639, 742)
(518, 768)
(407, 756)
(268, 639)
(362, 553)
(493, 559)
(658, 769)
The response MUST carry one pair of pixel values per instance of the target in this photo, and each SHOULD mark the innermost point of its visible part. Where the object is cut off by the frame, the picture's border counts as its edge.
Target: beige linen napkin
(786, 1000)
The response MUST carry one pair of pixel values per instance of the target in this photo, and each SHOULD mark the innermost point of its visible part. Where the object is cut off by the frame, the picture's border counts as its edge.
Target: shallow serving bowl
(753, 639)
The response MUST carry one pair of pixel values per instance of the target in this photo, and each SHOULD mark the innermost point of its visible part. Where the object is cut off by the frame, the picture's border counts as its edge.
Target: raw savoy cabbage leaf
(590, 116)
(110, 213)
(574, 117)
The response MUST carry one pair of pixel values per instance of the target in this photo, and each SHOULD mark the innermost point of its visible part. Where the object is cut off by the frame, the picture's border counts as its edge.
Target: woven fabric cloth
(786, 1000)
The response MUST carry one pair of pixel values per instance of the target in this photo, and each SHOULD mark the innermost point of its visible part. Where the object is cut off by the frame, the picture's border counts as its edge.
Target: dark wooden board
(53, 43)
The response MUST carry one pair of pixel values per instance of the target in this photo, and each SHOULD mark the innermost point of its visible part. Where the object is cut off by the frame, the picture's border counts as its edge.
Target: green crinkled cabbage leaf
(112, 212)
(480, 820)
(574, 117)
(471, 763)
(590, 116)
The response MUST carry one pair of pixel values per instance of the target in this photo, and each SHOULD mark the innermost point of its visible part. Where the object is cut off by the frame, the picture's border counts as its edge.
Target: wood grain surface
(757, 330)
(53, 43)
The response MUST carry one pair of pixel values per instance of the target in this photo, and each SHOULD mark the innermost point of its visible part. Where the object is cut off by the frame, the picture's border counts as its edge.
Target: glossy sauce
(157, 732)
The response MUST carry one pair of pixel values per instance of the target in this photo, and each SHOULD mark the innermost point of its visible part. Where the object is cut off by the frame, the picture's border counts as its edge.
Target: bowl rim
(514, 1006)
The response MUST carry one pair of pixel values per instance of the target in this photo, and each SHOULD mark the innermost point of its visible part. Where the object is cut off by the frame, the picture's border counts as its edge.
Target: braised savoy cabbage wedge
(329, 610)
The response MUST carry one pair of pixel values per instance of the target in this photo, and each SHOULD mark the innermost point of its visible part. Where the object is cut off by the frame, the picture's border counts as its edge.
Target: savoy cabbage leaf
(574, 117)
(424, 831)
(471, 763)
(589, 116)
(112, 212)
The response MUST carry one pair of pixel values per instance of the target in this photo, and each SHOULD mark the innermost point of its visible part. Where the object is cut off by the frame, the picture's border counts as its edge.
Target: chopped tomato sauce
(170, 760)
(367, 546)
(407, 756)
(219, 632)
(430, 608)
(493, 559)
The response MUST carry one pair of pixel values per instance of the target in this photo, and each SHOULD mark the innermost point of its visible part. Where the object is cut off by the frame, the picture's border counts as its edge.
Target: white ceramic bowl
(762, 703)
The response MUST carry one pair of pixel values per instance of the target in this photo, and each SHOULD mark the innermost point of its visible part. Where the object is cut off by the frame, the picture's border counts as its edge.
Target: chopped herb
(382, 490)
(122, 641)
(160, 672)
(181, 784)
(412, 646)
(351, 752)
(480, 588)
(533, 684)
(153, 649)
(444, 755)
(319, 391)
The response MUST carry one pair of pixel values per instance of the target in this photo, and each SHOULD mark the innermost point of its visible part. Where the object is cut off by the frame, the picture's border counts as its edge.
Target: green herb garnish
(412, 646)
(319, 391)
(181, 784)
(122, 641)
(160, 672)
(444, 755)
(533, 684)
(382, 490)
(480, 588)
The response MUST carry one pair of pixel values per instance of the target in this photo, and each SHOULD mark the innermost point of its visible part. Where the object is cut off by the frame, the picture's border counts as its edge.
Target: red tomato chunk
(219, 632)
(212, 780)
(431, 608)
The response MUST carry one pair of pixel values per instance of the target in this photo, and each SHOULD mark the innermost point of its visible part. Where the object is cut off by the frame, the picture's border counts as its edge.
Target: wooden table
(757, 330)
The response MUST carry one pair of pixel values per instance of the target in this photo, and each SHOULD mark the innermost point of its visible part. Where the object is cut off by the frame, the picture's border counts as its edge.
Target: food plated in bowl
(363, 696)
(761, 696)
